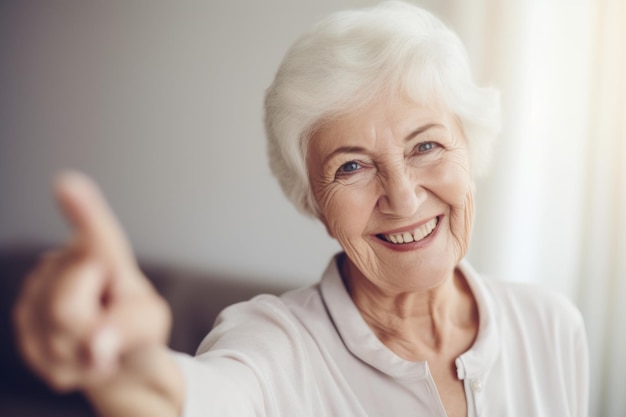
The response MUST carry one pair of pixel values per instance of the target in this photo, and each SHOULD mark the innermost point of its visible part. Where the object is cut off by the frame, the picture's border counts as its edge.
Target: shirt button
(476, 385)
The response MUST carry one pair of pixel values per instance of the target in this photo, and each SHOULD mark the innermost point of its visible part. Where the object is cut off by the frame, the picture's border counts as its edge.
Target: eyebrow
(359, 149)
(421, 130)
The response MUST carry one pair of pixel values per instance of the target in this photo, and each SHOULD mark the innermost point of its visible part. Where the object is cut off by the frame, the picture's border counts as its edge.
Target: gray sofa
(196, 297)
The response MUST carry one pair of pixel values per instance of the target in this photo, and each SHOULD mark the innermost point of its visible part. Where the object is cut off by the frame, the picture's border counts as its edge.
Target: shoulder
(257, 346)
(532, 300)
(264, 319)
(538, 314)
(509, 300)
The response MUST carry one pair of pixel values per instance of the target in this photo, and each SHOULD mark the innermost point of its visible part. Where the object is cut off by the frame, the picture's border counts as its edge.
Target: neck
(417, 324)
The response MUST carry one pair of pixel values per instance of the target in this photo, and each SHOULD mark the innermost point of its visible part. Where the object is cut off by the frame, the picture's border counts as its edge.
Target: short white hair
(353, 57)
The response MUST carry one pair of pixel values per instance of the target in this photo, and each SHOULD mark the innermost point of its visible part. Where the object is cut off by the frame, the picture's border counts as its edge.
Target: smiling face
(393, 186)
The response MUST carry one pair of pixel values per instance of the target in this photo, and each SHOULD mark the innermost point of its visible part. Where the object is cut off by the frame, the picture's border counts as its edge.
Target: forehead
(393, 119)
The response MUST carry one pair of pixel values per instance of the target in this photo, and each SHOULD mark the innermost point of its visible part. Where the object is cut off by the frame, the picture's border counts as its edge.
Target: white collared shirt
(310, 353)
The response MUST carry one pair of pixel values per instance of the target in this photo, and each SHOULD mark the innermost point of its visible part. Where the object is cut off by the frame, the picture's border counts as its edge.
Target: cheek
(344, 211)
(468, 213)
(465, 220)
(460, 199)
(455, 188)
(454, 182)
(328, 213)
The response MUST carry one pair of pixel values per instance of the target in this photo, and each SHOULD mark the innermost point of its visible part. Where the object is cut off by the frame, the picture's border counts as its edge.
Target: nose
(401, 195)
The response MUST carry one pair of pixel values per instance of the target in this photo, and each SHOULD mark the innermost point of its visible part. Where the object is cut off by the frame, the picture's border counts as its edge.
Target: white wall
(161, 102)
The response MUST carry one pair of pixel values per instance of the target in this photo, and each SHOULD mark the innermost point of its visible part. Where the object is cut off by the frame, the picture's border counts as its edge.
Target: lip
(413, 245)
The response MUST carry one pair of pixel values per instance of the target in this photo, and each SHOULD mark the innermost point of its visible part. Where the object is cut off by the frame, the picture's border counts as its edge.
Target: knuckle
(31, 352)
(62, 376)
(54, 361)
(70, 302)
(44, 274)
(50, 371)
(61, 382)
(59, 349)
(62, 313)
(162, 317)
(27, 336)
(46, 317)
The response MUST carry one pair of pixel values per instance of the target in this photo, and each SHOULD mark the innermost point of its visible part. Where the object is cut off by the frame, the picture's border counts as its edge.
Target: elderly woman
(375, 128)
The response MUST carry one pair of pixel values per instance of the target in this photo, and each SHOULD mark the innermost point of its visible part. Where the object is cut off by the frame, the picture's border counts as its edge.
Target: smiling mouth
(410, 236)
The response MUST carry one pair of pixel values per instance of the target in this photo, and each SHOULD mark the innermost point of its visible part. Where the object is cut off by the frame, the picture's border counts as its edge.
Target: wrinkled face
(393, 185)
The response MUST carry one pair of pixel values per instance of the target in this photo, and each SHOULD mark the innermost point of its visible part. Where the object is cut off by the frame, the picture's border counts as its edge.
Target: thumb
(94, 224)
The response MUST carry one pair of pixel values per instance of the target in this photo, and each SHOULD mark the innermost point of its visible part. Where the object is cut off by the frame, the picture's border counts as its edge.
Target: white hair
(353, 57)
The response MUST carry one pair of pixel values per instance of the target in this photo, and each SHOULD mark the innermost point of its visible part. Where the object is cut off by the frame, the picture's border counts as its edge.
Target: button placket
(473, 389)
(476, 385)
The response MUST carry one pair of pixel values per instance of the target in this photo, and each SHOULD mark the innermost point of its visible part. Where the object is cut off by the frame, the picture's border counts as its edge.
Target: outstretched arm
(87, 319)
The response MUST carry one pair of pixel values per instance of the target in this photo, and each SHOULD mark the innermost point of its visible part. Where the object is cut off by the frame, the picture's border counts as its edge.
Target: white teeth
(418, 234)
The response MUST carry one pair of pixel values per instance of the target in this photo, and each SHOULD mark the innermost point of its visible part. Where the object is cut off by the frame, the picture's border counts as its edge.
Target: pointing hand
(86, 308)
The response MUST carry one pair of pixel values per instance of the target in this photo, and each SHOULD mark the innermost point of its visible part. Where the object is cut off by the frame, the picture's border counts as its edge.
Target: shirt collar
(481, 356)
(364, 344)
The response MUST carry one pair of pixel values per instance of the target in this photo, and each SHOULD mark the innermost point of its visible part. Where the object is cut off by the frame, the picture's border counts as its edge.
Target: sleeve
(219, 388)
(254, 363)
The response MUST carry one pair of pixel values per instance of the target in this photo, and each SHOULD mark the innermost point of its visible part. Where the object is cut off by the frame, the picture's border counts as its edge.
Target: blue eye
(349, 167)
(350, 170)
(426, 146)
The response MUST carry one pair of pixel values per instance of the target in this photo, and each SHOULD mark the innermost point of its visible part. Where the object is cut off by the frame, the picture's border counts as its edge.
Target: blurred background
(161, 102)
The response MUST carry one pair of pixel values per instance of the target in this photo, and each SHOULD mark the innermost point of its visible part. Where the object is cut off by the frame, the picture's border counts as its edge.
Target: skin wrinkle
(463, 215)
(416, 302)
(326, 193)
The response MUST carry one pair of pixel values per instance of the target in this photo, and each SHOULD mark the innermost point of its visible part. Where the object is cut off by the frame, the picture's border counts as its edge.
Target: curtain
(602, 263)
(553, 209)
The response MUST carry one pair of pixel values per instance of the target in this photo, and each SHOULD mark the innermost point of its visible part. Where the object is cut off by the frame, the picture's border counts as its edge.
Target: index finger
(93, 221)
